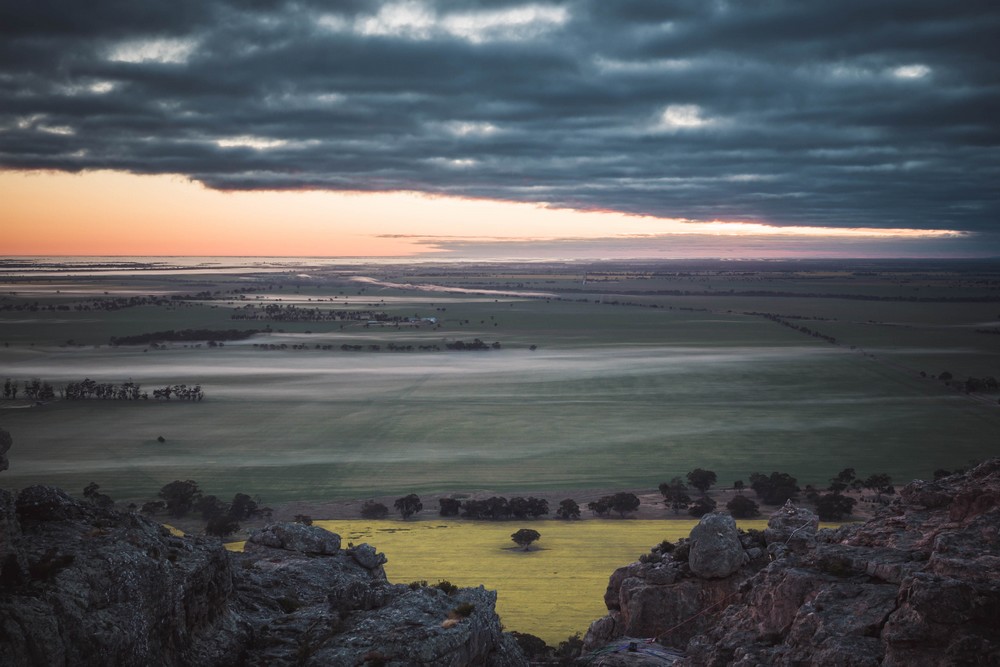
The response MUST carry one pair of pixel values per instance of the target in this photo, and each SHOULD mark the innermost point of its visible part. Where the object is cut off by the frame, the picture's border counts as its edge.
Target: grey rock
(367, 557)
(98, 587)
(296, 537)
(793, 527)
(716, 551)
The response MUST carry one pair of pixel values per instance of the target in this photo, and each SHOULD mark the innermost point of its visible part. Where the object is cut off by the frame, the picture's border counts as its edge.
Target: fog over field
(621, 382)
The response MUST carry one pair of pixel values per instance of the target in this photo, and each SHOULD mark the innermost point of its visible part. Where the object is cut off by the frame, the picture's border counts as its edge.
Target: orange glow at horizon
(113, 213)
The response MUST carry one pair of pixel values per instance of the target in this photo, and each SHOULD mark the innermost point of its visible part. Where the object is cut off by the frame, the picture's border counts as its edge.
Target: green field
(552, 591)
(616, 395)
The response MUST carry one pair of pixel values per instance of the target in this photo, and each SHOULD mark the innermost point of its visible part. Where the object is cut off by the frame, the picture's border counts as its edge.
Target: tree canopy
(525, 537)
(408, 505)
(701, 479)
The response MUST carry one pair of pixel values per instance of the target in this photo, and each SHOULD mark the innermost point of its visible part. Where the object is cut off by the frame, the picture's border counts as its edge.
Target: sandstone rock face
(82, 585)
(918, 585)
(716, 551)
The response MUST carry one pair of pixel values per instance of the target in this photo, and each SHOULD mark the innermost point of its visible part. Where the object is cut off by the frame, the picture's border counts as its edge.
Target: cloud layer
(847, 114)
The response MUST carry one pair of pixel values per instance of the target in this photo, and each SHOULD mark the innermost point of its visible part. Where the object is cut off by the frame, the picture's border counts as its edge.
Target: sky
(632, 128)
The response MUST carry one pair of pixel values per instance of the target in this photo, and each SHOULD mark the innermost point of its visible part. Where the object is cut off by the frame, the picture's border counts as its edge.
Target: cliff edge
(919, 584)
(83, 585)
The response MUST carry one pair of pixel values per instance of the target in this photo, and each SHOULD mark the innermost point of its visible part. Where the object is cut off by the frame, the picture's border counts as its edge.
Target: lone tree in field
(568, 509)
(880, 483)
(180, 496)
(701, 479)
(524, 537)
(842, 481)
(408, 505)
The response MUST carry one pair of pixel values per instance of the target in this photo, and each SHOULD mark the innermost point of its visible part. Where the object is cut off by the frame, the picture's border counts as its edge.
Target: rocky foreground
(81, 585)
(917, 585)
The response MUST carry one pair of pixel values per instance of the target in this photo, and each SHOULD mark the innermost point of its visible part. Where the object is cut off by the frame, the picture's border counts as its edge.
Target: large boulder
(295, 537)
(716, 551)
(790, 527)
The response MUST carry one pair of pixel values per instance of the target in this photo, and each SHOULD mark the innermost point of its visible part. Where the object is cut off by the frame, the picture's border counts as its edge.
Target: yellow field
(552, 591)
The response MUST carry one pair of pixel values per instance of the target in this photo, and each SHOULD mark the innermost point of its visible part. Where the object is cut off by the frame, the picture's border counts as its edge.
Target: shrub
(742, 507)
(374, 510)
(701, 507)
(446, 586)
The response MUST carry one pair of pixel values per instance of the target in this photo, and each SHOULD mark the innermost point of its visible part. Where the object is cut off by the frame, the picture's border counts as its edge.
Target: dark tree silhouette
(774, 489)
(373, 510)
(525, 537)
(568, 509)
(842, 481)
(221, 526)
(738, 487)
(408, 505)
(834, 506)
(600, 507)
(624, 502)
(879, 483)
(675, 495)
(701, 479)
(180, 496)
(701, 507)
(449, 506)
(91, 493)
(243, 507)
(742, 507)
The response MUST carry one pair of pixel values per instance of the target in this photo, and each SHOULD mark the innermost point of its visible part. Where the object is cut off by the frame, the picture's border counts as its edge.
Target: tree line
(186, 335)
(87, 389)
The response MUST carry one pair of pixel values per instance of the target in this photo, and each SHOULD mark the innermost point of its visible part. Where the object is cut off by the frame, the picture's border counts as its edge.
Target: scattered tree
(701, 479)
(842, 481)
(675, 495)
(879, 483)
(373, 510)
(599, 507)
(210, 507)
(221, 526)
(243, 507)
(742, 507)
(449, 506)
(180, 496)
(525, 537)
(624, 503)
(834, 506)
(775, 489)
(304, 519)
(701, 507)
(738, 487)
(568, 509)
(408, 505)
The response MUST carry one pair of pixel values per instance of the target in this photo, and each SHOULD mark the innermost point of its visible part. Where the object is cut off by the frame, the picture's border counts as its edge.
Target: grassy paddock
(553, 591)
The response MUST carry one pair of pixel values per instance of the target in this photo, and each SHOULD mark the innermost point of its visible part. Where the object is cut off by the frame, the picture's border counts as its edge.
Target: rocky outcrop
(676, 592)
(917, 585)
(83, 585)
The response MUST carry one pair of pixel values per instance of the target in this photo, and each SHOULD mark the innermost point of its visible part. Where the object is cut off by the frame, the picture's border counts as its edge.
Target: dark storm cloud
(856, 113)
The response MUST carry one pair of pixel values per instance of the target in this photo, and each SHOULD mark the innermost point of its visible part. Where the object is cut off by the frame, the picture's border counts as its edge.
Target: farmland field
(552, 591)
(639, 373)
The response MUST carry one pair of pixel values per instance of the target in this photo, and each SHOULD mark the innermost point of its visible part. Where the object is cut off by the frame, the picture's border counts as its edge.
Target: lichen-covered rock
(716, 551)
(97, 587)
(295, 537)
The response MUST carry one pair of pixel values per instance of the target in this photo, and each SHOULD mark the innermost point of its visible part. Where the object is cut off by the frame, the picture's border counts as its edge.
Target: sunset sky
(500, 129)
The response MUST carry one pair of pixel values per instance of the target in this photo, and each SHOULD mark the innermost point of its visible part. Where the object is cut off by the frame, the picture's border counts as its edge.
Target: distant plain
(618, 393)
